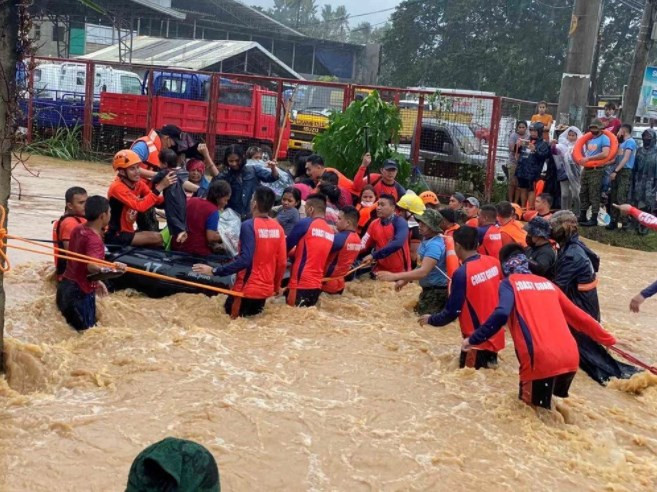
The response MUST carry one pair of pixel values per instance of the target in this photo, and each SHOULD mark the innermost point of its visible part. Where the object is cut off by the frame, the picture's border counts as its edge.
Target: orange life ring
(578, 151)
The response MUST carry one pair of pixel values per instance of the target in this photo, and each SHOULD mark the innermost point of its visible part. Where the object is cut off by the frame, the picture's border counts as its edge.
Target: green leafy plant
(64, 144)
(343, 143)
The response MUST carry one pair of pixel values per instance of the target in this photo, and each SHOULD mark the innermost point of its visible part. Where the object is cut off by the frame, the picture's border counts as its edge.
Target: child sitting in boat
(175, 199)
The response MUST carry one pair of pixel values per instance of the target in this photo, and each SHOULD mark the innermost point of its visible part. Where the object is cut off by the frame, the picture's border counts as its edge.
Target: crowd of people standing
(582, 184)
(478, 263)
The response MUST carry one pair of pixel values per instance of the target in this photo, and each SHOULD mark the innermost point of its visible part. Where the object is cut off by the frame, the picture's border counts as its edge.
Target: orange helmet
(429, 198)
(124, 159)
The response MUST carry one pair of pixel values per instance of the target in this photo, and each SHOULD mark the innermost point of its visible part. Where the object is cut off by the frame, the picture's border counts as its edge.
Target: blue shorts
(78, 308)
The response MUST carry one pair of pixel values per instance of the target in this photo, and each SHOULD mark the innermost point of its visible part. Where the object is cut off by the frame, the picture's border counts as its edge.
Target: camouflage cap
(431, 218)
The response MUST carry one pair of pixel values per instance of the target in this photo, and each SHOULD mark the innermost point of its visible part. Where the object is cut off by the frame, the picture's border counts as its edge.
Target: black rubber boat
(168, 263)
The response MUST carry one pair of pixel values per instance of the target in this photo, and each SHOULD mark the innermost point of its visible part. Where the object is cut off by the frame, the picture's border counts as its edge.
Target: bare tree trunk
(8, 41)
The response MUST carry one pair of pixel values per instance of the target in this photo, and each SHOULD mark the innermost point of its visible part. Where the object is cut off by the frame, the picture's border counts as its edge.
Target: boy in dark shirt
(540, 252)
(76, 294)
(175, 199)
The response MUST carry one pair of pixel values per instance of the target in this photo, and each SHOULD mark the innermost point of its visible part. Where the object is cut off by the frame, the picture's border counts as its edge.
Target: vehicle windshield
(466, 139)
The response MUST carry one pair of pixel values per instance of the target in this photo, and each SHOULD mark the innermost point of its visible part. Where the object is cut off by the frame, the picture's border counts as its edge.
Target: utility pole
(639, 61)
(576, 79)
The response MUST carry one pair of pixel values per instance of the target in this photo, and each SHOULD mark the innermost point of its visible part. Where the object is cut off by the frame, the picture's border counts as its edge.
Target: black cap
(171, 131)
(538, 226)
(460, 197)
(390, 164)
(449, 215)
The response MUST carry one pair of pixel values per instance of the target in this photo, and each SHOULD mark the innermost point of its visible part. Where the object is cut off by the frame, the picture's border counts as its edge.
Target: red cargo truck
(245, 113)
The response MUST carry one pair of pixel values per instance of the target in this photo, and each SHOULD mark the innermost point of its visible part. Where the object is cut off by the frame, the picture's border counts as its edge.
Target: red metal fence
(452, 137)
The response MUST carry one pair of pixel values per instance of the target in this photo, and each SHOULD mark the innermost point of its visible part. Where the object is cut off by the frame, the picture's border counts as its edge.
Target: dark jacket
(175, 201)
(542, 259)
(243, 184)
(577, 265)
(530, 167)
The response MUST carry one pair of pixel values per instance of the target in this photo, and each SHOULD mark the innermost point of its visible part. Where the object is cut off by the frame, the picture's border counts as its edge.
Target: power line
(631, 5)
(363, 14)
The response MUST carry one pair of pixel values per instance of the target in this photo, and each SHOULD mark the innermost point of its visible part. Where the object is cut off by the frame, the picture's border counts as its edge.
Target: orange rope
(5, 265)
(364, 264)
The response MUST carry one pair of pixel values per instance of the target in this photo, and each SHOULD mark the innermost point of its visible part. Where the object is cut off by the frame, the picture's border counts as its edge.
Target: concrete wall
(45, 46)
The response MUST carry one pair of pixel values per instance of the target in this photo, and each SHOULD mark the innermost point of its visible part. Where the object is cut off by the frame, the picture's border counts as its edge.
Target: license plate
(307, 145)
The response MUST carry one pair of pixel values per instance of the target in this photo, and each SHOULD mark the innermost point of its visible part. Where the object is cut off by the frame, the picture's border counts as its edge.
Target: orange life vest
(58, 243)
(152, 140)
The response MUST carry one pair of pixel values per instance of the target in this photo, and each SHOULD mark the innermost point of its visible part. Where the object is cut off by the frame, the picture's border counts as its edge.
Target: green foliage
(622, 239)
(515, 48)
(294, 13)
(342, 144)
(64, 144)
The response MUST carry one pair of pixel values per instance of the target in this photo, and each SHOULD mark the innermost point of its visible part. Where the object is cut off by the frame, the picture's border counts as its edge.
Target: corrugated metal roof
(193, 54)
(163, 10)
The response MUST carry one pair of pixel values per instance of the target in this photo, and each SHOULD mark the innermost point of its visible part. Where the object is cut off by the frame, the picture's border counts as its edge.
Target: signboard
(648, 99)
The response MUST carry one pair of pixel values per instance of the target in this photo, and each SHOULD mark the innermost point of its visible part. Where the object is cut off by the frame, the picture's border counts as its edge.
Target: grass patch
(65, 144)
(623, 239)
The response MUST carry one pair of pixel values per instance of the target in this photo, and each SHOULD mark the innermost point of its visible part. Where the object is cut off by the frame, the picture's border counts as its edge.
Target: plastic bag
(284, 180)
(229, 230)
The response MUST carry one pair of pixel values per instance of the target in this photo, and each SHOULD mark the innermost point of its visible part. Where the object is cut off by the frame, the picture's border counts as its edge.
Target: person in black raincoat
(532, 155)
(575, 275)
(643, 191)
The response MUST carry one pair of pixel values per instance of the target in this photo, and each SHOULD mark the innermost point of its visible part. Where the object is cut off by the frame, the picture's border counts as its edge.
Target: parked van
(66, 81)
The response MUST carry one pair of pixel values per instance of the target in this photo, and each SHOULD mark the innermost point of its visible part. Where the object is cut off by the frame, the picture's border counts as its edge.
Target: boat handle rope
(48, 250)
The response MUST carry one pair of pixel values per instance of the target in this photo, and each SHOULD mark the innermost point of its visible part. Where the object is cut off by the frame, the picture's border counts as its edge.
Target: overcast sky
(353, 7)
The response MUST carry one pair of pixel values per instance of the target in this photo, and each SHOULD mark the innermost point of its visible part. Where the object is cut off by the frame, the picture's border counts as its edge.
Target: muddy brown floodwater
(352, 395)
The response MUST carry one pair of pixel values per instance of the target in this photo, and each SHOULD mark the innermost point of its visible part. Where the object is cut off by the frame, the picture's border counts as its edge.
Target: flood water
(352, 395)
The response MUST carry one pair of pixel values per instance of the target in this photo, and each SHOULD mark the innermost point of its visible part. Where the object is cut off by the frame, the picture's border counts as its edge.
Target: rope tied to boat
(67, 255)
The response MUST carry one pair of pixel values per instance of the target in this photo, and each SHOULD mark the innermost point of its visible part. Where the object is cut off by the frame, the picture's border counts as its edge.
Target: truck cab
(67, 81)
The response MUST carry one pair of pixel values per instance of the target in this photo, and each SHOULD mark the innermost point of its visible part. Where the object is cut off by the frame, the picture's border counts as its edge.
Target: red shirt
(390, 240)
(199, 211)
(313, 239)
(84, 240)
(61, 232)
(344, 252)
(126, 202)
(261, 262)
(612, 124)
(380, 187)
(539, 327)
(482, 282)
(493, 241)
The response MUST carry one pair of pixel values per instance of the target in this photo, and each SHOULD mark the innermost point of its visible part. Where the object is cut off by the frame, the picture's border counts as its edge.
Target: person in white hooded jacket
(569, 173)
